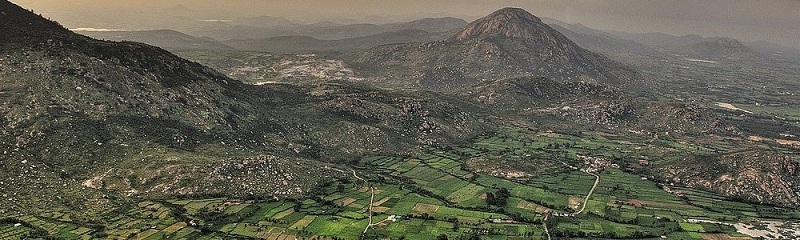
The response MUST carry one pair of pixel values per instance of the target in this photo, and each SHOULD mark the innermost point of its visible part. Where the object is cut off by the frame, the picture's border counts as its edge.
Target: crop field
(12, 231)
(440, 192)
(466, 193)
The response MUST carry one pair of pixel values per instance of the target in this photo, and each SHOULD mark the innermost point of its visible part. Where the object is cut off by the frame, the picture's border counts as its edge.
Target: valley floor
(459, 193)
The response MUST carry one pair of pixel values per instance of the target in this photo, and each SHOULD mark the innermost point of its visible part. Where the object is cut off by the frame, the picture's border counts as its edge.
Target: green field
(442, 192)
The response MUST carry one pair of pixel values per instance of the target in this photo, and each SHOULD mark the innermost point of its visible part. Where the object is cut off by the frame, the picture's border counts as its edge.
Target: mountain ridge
(306, 44)
(163, 38)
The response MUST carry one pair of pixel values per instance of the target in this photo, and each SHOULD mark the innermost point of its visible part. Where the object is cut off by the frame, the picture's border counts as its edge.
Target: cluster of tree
(176, 211)
(499, 198)
(608, 234)
(407, 183)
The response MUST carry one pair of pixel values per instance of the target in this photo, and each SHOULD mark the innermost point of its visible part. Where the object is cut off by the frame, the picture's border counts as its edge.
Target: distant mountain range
(630, 45)
(267, 27)
(305, 44)
(168, 39)
(270, 34)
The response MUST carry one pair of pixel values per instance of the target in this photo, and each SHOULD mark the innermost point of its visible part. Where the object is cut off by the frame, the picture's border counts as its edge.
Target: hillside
(127, 118)
(761, 176)
(529, 92)
(57, 71)
(508, 43)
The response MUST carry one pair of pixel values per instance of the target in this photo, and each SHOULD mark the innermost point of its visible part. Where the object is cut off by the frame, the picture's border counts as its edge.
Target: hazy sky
(773, 20)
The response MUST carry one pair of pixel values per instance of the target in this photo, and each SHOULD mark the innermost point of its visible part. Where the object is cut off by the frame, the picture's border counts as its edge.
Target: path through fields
(586, 200)
(589, 195)
(371, 197)
(544, 224)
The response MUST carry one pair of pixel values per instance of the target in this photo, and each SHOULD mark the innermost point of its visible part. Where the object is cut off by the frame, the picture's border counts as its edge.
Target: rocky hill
(71, 105)
(505, 44)
(722, 48)
(80, 113)
(757, 175)
(529, 92)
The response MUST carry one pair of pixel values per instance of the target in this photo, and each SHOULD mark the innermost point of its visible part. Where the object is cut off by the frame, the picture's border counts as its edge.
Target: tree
(442, 237)
(499, 198)
(490, 198)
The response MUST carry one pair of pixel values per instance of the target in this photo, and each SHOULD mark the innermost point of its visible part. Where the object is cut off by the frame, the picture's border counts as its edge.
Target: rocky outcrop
(761, 176)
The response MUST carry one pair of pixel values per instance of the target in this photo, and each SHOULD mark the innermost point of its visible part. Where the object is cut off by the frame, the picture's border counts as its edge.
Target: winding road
(544, 224)
(371, 200)
(586, 200)
(371, 197)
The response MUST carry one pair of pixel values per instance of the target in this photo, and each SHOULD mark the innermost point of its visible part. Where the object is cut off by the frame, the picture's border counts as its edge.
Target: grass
(283, 213)
(329, 226)
(425, 208)
(691, 227)
(175, 227)
(302, 223)
(466, 193)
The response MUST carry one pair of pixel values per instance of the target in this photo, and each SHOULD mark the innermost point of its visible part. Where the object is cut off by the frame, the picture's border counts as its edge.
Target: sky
(776, 21)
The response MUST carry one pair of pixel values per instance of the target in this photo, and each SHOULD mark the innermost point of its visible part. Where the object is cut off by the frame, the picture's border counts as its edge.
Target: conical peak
(512, 14)
(506, 22)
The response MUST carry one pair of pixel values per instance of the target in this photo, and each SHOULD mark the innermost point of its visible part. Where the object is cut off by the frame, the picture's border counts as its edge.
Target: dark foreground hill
(79, 113)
